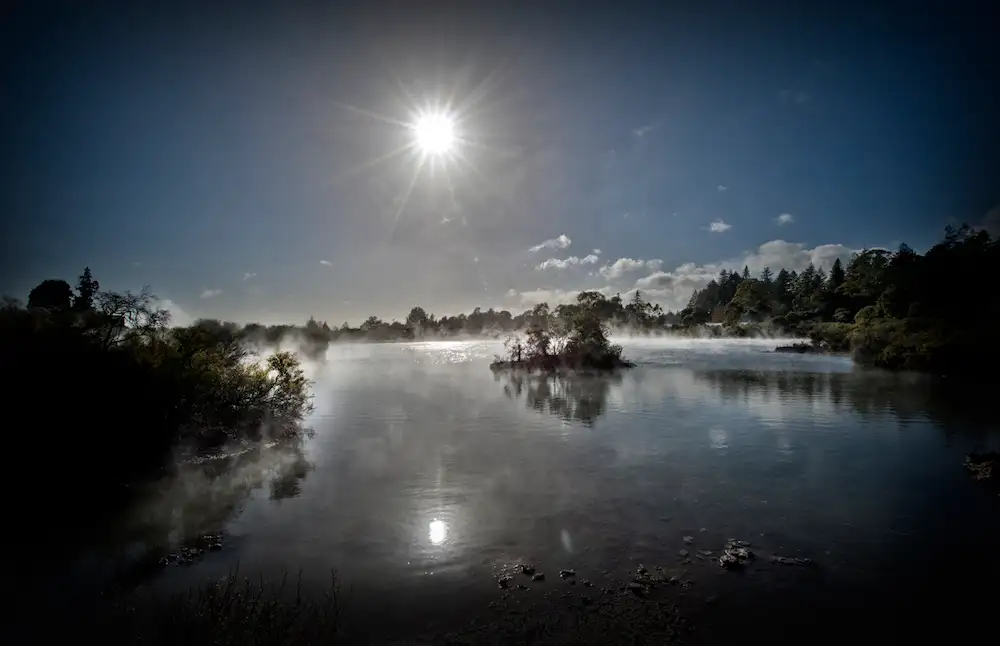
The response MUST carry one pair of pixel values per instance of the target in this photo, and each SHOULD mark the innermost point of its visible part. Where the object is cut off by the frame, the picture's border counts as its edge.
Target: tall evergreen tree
(782, 289)
(836, 278)
(86, 289)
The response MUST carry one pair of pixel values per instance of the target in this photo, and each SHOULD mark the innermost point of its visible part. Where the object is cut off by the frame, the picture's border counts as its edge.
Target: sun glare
(435, 133)
(438, 531)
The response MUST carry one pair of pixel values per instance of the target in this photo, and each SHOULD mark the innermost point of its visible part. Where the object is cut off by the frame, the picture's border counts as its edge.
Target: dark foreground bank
(646, 606)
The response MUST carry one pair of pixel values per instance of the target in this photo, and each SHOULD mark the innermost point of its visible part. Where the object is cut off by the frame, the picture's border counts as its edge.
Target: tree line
(892, 309)
(636, 313)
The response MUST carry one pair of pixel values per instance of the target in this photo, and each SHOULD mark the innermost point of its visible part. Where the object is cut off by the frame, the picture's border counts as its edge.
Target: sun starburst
(434, 133)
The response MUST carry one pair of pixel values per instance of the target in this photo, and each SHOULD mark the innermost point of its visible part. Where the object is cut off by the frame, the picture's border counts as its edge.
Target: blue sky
(221, 156)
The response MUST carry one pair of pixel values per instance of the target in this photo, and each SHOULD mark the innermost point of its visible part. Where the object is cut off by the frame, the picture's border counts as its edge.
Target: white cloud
(556, 263)
(672, 289)
(211, 293)
(560, 242)
(622, 266)
(779, 254)
(718, 226)
(248, 275)
(722, 188)
(596, 252)
(785, 218)
(326, 262)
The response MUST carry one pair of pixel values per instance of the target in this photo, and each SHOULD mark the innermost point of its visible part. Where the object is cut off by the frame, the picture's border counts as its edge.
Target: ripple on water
(424, 461)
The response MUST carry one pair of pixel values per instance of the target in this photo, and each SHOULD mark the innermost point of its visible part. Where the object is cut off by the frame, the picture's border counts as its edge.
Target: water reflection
(200, 498)
(438, 531)
(906, 398)
(572, 397)
(425, 468)
(718, 436)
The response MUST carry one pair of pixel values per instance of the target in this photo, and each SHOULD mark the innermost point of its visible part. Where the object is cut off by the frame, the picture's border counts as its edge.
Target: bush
(834, 337)
(582, 344)
(113, 392)
(918, 344)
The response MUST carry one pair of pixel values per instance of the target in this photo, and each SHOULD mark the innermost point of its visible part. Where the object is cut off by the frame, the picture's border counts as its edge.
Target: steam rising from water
(205, 493)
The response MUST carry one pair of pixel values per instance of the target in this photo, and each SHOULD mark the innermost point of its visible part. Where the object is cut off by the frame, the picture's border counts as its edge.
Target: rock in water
(735, 555)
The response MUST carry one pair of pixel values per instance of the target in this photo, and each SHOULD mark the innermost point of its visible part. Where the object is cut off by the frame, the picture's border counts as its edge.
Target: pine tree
(86, 290)
(836, 278)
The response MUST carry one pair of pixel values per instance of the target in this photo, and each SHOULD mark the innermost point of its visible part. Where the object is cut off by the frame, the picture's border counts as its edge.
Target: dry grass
(232, 611)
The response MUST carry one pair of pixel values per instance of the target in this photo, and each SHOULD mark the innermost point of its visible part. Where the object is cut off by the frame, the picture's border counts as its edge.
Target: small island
(580, 344)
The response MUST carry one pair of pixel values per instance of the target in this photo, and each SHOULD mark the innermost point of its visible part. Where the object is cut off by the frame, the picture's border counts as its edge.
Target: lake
(427, 472)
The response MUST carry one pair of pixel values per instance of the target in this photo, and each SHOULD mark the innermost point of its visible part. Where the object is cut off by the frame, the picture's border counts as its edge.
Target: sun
(435, 133)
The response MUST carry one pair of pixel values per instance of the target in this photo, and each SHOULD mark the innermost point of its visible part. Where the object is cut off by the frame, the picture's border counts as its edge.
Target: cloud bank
(623, 266)
(556, 263)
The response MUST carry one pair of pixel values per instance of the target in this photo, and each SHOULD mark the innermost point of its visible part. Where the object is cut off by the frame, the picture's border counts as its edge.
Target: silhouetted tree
(51, 295)
(417, 317)
(86, 290)
(836, 277)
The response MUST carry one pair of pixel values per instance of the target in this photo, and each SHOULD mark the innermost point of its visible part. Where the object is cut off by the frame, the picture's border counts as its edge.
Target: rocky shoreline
(647, 605)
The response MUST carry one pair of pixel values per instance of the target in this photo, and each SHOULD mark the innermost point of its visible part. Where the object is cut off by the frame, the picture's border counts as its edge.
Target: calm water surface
(426, 471)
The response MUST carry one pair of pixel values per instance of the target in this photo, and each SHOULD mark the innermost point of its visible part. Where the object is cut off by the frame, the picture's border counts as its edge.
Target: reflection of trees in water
(906, 396)
(201, 498)
(573, 397)
(287, 483)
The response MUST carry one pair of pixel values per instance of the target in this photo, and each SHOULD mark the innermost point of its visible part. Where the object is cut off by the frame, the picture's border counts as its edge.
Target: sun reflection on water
(438, 531)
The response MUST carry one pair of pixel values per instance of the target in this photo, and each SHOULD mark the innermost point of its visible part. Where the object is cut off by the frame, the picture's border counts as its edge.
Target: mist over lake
(427, 472)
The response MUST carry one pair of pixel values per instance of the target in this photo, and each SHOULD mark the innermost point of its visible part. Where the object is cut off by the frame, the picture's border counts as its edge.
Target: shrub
(113, 392)
(581, 344)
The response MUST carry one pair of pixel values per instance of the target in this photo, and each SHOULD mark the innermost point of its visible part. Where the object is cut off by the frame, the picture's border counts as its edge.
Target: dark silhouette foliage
(111, 392)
